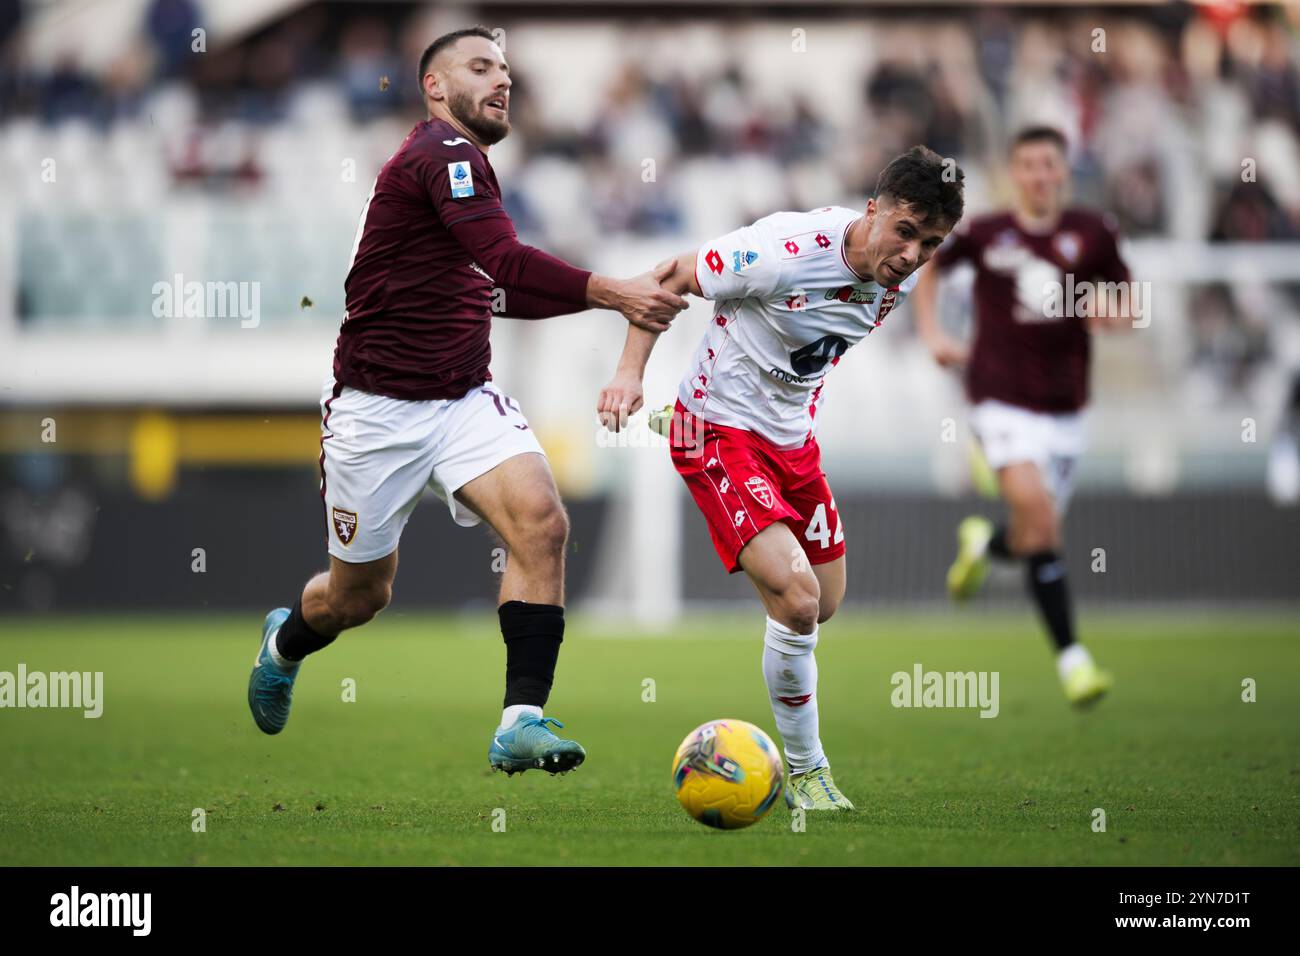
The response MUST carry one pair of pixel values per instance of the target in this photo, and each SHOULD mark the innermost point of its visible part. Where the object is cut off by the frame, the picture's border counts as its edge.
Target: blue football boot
(270, 688)
(529, 744)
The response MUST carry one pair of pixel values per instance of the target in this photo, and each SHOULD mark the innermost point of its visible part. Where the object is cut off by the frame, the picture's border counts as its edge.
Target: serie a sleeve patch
(461, 178)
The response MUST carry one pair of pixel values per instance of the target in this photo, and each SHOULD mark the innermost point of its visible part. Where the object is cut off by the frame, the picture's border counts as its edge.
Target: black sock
(1047, 585)
(998, 545)
(296, 638)
(532, 633)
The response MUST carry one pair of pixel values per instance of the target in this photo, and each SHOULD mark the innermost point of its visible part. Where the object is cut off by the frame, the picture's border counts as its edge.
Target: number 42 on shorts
(819, 530)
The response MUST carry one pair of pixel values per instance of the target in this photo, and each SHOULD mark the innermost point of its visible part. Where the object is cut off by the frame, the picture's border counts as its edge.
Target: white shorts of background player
(1009, 434)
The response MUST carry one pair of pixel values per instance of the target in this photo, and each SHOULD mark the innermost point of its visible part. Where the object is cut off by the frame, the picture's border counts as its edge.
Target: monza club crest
(345, 525)
(757, 486)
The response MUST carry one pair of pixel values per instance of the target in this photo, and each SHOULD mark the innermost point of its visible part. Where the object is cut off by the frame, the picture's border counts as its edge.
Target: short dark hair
(927, 182)
(1039, 134)
(446, 40)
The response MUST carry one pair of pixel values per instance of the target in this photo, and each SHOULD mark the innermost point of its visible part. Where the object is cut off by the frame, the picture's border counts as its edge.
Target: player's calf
(519, 501)
(831, 586)
(346, 596)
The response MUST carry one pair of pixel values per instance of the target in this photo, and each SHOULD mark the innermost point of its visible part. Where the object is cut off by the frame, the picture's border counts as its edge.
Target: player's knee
(555, 527)
(360, 605)
(798, 609)
(549, 531)
(804, 616)
(540, 528)
(1041, 533)
(1036, 527)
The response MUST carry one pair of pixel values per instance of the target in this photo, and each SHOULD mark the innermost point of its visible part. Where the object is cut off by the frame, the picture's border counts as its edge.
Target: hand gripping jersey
(787, 306)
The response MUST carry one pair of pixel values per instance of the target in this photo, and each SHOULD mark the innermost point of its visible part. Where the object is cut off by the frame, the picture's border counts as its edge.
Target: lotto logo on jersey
(758, 488)
(462, 180)
(345, 525)
(714, 262)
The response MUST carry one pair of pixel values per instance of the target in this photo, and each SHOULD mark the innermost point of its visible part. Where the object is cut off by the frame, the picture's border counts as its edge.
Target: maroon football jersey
(1021, 355)
(433, 243)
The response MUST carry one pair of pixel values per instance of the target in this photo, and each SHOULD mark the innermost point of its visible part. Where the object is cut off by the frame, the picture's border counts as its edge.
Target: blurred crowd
(1184, 121)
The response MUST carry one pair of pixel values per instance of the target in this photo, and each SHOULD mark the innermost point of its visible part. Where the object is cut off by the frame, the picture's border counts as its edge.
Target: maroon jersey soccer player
(1046, 277)
(411, 404)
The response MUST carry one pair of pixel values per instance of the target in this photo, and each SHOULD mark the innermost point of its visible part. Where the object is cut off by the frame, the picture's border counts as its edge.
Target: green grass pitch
(1186, 772)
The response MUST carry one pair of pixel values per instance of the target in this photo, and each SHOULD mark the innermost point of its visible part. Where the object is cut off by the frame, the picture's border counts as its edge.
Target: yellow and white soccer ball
(728, 774)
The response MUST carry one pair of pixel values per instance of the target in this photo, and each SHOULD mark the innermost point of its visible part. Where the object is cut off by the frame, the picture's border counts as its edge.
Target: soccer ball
(728, 773)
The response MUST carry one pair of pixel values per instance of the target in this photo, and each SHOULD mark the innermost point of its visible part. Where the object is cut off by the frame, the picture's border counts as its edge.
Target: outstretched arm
(547, 286)
(946, 350)
(517, 304)
(623, 396)
(1131, 309)
(543, 284)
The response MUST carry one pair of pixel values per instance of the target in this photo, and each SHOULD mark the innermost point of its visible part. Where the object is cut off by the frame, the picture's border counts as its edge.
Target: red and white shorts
(743, 483)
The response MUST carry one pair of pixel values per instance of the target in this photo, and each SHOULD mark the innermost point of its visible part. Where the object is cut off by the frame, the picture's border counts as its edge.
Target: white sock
(281, 662)
(515, 711)
(1070, 658)
(790, 669)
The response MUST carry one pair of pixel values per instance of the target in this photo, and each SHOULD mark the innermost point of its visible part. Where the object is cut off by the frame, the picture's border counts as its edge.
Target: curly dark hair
(928, 183)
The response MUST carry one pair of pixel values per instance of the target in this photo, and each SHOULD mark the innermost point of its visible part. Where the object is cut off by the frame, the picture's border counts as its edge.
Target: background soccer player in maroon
(1027, 375)
(411, 403)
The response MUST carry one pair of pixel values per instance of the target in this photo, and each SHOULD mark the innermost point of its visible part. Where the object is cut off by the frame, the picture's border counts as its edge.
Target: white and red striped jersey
(787, 306)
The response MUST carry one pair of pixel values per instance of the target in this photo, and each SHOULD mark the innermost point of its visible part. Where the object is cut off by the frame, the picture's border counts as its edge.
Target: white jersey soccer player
(791, 294)
(788, 306)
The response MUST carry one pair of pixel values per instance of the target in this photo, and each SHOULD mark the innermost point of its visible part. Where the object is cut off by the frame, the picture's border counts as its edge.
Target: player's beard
(474, 118)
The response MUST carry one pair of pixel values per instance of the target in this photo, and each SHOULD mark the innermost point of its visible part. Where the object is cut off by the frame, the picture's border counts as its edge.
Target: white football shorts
(1009, 434)
(378, 454)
